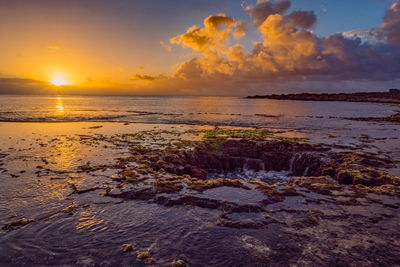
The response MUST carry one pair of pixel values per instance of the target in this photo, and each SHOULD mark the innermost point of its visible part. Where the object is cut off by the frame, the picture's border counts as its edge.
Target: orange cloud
(240, 30)
(391, 25)
(167, 47)
(288, 53)
(139, 77)
(210, 39)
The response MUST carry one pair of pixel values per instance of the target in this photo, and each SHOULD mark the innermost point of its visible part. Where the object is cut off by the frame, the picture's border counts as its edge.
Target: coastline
(133, 185)
(390, 97)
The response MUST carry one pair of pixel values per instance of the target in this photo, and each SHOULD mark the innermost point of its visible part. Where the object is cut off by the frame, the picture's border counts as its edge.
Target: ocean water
(233, 111)
(39, 164)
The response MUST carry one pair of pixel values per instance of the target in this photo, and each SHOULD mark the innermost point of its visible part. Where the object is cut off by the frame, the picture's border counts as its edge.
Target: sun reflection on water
(65, 153)
(59, 105)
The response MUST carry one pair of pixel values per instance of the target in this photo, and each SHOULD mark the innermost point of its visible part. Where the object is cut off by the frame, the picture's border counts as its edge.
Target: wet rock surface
(170, 198)
(395, 118)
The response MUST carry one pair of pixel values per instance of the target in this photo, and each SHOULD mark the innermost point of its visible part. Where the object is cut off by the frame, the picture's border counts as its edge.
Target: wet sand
(135, 194)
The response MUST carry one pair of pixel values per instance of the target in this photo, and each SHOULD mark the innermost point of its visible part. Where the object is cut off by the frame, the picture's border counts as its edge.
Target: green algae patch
(385, 189)
(321, 184)
(162, 186)
(367, 177)
(201, 185)
(278, 191)
(251, 134)
(129, 175)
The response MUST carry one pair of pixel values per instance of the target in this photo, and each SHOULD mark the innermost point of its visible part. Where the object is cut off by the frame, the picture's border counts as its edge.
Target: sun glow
(58, 80)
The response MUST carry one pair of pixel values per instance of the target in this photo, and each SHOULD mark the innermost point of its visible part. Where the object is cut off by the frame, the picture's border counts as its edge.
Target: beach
(128, 192)
(199, 133)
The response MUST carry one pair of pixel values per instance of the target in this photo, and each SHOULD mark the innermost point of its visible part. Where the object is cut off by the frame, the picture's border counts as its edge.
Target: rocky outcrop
(300, 159)
(392, 96)
(221, 155)
(392, 118)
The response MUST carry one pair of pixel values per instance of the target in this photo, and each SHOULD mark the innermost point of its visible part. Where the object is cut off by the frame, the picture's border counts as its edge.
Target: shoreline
(129, 192)
(390, 97)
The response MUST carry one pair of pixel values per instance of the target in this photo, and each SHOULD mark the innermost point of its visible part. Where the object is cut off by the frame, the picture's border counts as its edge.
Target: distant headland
(391, 96)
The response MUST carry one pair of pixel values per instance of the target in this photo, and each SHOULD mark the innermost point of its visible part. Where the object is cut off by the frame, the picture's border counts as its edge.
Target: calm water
(187, 110)
(39, 163)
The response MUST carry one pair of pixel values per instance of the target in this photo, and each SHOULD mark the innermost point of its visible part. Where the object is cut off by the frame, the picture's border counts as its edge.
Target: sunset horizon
(199, 133)
(212, 48)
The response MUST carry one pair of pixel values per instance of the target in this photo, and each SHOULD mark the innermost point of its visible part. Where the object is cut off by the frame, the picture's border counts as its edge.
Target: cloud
(388, 32)
(240, 30)
(391, 26)
(139, 77)
(210, 39)
(289, 52)
(367, 34)
(23, 86)
(286, 42)
(166, 46)
(212, 43)
(264, 8)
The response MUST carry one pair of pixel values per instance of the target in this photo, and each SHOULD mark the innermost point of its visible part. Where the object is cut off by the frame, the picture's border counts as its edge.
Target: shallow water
(189, 110)
(90, 229)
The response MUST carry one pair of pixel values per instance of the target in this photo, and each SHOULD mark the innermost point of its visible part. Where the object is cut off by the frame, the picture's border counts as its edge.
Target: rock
(143, 255)
(276, 161)
(392, 96)
(173, 158)
(178, 263)
(329, 171)
(347, 176)
(201, 185)
(305, 163)
(159, 165)
(127, 247)
(195, 171)
(14, 225)
(70, 209)
(86, 167)
(307, 181)
(367, 177)
(167, 186)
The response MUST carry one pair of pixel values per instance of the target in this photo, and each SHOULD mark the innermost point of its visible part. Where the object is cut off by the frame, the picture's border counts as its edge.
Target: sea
(45, 221)
(224, 111)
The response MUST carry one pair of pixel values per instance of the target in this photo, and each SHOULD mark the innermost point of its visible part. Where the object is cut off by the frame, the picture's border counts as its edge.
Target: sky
(198, 47)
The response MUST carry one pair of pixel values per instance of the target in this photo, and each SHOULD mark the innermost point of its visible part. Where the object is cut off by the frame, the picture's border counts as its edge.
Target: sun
(58, 81)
